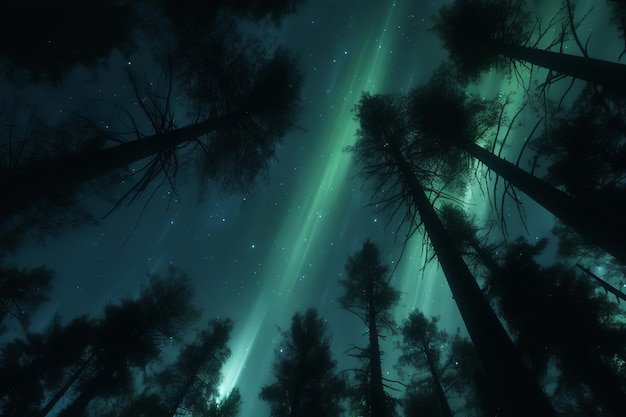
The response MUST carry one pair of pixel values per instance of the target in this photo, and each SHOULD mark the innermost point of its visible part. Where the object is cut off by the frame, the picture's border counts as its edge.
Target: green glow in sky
(326, 182)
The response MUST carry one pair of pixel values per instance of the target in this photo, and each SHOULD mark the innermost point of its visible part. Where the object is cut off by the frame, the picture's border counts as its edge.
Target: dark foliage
(191, 383)
(130, 336)
(468, 29)
(21, 292)
(369, 295)
(394, 158)
(45, 39)
(421, 346)
(557, 315)
(444, 370)
(584, 148)
(35, 366)
(306, 380)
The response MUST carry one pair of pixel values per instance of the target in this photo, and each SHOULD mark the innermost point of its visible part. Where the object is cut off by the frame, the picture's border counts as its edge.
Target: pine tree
(369, 296)
(306, 380)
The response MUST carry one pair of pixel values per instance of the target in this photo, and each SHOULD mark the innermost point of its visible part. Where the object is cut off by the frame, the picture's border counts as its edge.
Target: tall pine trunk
(378, 406)
(68, 384)
(611, 75)
(65, 174)
(79, 405)
(511, 383)
(434, 372)
(597, 226)
(591, 370)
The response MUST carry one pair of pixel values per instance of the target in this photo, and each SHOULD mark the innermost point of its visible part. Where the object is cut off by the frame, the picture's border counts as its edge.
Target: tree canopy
(307, 382)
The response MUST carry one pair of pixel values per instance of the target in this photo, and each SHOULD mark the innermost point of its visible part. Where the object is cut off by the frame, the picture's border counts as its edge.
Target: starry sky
(259, 258)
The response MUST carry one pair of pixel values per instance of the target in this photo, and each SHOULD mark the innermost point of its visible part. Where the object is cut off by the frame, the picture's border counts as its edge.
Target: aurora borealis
(261, 257)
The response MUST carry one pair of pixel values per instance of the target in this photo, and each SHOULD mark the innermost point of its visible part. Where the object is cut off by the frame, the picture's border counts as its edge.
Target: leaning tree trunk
(590, 369)
(596, 225)
(68, 384)
(378, 405)
(64, 174)
(609, 74)
(434, 372)
(619, 295)
(511, 383)
(80, 404)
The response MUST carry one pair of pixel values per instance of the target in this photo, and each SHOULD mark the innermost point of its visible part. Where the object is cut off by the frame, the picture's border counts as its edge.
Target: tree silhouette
(477, 32)
(191, 383)
(44, 40)
(442, 368)
(618, 18)
(306, 380)
(455, 137)
(584, 151)
(187, 386)
(237, 137)
(369, 296)
(399, 164)
(466, 235)
(32, 141)
(537, 299)
(471, 378)
(130, 335)
(421, 348)
(241, 101)
(556, 314)
(21, 292)
(584, 154)
(35, 366)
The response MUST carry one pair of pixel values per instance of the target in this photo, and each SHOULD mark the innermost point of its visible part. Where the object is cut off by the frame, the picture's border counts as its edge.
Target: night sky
(259, 258)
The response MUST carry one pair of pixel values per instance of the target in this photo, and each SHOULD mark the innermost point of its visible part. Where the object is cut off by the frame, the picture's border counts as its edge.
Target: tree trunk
(78, 406)
(597, 226)
(516, 391)
(619, 295)
(60, 393)
(65, 174)
(434, 372)
(377, 393)
(180, 397)
(601, 381)
(611, 75)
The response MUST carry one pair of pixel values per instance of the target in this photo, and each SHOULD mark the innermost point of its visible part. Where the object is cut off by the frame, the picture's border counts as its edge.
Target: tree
(238, 135)
(242, 100)
(396, 159)
(618, 18)
(443, 368)
(429, 109)
(421, 348)
(35, 366)
(306, 380)
(21, 292)
(192, 382)
(187, 386)
(369, 296)
(466, 235)
(584, 151)
(129, 336)
(45, 39)
(476, 32)
(555, 314)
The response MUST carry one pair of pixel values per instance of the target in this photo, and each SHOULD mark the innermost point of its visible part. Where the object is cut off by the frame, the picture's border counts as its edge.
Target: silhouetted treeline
(241, 100)
(92, 365)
